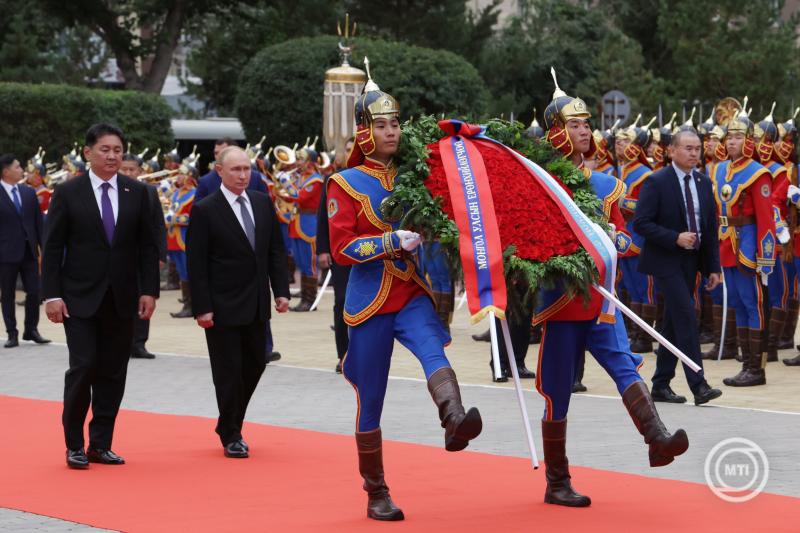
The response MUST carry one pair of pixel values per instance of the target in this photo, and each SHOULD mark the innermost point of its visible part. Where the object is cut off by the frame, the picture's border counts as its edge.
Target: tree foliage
(56, 116)
(280, 89)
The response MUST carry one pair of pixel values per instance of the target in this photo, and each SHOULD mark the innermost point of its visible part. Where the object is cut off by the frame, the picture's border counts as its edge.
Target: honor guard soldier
(743, 191)
(633, 170)
(386, 298)
(787, 154)
(177, 220)
(305, 197)
(782, 279)
(572, 326)
(36, 177)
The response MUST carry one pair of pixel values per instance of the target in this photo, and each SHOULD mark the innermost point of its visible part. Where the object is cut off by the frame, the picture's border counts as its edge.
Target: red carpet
(177, 479)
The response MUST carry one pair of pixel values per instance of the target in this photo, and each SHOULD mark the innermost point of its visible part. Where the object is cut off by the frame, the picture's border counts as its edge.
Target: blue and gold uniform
(571, 326)
(386, 299)
(743, 190)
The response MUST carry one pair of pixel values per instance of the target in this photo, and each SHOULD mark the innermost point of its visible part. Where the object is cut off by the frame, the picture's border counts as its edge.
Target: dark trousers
(28, 269)
(519, 327)
(237, 362)
(680, 323)
(339, 276)
(99, 349)
(141, 332)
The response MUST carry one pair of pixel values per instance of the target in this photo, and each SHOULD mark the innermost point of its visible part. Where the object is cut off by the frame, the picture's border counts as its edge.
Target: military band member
(305, 197)
(36, 177)
(747, 243)
(177, 220)
(386, 298)
(572, 326)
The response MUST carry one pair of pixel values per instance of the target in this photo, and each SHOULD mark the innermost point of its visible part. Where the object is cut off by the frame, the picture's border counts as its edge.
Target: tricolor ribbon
(479, 236)
(472, 201)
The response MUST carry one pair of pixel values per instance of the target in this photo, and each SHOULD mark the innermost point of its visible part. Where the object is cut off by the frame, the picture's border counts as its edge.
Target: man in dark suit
(99, 244)
(235, 251)
(677, 217)
(132, 167)
(20, 239)
(209, 183)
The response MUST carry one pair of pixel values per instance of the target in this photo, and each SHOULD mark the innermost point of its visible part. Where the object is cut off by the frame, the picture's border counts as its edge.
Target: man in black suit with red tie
(677, 216)
(20, 239)
(235, 252)
(99, 243)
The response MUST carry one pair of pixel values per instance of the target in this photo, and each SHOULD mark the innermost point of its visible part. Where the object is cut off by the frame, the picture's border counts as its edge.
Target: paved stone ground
(13, 520)
(303, 392)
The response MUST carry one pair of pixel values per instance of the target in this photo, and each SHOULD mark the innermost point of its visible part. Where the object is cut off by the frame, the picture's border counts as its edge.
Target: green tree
(590, 55)
(142, 34)
(224, 42)
(35, 48)
(280, 89)
(439, 24)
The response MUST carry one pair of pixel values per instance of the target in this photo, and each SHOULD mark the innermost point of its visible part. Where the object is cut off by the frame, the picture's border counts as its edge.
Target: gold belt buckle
(723, 220)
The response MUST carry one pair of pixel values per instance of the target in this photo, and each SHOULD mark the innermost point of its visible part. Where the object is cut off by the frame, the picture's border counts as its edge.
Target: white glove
(764, 279)
(164, 186)
(408, 240)
(783, 234)
(794, 194)
(612, 232)
(169, 217)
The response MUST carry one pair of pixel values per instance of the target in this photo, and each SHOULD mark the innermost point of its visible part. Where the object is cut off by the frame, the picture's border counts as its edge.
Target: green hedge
(280, 89)
(56, 116)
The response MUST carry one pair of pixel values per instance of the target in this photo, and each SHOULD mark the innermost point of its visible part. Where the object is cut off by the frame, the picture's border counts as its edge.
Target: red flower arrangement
(526, 216)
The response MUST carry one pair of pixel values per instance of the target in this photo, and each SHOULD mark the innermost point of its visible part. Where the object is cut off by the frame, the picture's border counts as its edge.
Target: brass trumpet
(158, 176)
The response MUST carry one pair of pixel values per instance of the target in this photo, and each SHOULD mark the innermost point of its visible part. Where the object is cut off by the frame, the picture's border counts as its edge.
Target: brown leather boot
(787, 335)
(644, 343)
(308, 292)
(370, 464)
(444, 305)
(632, 329)
(777, 318)
(559, 489)
(460, 427)
(743, 339)
(707, 324)
(752, 373)
(172, 282)
(186, 311)
(716, 329)
(731, 346)
(291, 266)
(663, 446)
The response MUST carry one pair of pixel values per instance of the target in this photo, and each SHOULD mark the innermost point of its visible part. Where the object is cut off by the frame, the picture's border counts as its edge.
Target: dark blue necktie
(15, 196)
(107, 212)
(690, 209)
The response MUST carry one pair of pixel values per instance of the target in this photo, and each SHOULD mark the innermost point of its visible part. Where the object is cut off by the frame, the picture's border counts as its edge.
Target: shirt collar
(680, 172)
(7, 186)
(230, 195)
(97, 182)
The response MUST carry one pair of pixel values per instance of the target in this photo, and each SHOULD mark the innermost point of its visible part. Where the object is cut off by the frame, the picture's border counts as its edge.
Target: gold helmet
(563, 107)
(741, 121)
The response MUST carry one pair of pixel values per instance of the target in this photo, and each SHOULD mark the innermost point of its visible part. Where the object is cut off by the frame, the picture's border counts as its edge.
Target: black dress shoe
(236, 450)
(33, 335)
(524, 373)
(273, 356)
(666, 394)
(13, 340)
(486, 336)
(244, 445)
(579, 387)
(705, 394)
(105, 457)
(339, 367)
(141, 353)
(77, 459)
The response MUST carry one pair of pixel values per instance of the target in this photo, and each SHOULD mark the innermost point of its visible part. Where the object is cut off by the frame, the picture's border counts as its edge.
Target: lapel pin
(126, 189)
